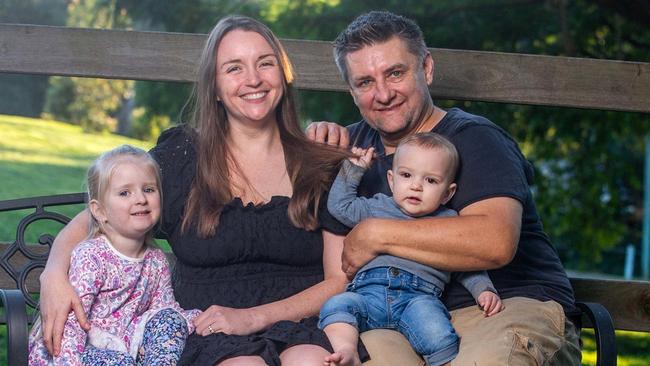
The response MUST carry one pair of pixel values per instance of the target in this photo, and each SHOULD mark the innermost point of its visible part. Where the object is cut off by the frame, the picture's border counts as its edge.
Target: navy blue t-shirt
(491, 165)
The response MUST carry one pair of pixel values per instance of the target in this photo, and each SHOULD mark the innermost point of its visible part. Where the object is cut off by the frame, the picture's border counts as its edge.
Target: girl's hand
(364, 156)
(58, 298)
(490, 303)
(220, 319)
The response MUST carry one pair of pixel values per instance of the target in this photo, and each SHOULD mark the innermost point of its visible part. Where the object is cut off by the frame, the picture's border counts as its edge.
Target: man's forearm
(483, 236)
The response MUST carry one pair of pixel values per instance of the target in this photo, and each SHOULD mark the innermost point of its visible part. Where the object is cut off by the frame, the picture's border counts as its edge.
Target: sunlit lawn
(39, 157)
(633, 348)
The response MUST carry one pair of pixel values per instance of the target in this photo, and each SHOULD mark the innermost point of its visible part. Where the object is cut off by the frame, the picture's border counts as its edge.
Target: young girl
(123, 282)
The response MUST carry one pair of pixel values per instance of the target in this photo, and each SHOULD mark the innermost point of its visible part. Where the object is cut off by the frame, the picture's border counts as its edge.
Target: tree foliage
(25, 94)
(94, 104)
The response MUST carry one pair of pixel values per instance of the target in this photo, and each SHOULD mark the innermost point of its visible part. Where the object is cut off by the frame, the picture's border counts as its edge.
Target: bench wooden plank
(462, 75)
(628, 302)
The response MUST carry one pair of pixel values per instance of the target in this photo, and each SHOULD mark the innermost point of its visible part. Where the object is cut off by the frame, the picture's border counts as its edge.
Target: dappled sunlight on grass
(29, 140)
(39, 157)
(633, 348)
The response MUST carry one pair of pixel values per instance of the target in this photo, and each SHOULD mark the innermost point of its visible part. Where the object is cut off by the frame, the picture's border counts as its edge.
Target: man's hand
(328, 132)
(360, 247)
(58, 298)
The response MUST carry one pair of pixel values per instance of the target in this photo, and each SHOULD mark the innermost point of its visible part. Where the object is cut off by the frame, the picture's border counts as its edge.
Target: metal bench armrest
(604, 332)
(16, 319)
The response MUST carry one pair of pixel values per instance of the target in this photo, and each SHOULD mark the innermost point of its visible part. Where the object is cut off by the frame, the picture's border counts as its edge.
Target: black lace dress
(256, 257)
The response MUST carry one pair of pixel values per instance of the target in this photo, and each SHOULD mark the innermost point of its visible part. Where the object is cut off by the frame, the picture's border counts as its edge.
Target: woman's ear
(450, 193)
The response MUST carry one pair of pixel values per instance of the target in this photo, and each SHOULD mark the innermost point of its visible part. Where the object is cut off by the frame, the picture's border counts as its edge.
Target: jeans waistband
(395, 278)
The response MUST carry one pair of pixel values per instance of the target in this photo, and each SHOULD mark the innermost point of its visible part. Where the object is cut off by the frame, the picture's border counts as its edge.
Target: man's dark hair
(377, 27)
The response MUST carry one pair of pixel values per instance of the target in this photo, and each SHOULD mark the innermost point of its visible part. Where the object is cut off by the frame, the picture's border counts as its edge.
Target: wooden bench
(461, 75)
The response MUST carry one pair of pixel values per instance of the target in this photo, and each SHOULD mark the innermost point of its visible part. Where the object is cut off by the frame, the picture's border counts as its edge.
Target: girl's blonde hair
(98, 179)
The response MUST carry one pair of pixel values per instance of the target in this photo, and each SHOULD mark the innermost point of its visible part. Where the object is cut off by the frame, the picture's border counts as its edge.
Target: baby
(392, 292)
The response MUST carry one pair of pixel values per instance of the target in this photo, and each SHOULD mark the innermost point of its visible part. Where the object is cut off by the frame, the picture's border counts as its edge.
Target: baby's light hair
(100, 172)
(430, 141)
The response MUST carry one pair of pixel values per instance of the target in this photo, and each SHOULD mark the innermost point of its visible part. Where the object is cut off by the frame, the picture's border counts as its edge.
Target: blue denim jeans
(388, 297)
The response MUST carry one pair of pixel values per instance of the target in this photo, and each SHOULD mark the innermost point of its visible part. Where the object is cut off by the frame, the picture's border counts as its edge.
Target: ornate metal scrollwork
(35, 259)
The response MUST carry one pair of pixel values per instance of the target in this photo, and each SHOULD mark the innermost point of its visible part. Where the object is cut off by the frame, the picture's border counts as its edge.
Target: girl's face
(130, 207)
(249, 80)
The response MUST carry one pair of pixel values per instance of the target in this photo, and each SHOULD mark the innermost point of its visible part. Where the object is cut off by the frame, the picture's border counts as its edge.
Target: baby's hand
(364, 156)
(490, 303)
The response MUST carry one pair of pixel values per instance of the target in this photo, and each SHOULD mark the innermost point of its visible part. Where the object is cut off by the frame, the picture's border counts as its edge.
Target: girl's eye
(150, 190)
(267, 63)
(124, 193)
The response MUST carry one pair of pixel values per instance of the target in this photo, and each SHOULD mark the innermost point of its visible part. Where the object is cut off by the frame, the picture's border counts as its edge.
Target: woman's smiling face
(249, 79)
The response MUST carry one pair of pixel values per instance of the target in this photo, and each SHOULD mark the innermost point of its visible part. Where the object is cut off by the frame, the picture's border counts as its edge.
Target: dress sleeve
(176, 157)
(86, 277)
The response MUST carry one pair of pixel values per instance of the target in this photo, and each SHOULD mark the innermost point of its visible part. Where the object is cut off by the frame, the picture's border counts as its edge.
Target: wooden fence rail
(461, 75)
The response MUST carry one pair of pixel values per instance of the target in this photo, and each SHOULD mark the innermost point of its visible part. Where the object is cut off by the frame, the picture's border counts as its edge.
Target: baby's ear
(389, 177)
(451, 190)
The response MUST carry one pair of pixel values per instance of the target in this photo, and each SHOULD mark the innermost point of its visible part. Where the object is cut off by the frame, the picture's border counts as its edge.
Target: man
(383, 58)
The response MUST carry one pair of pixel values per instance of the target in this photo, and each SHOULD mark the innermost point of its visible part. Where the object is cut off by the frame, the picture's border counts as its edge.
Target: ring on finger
(210, 329)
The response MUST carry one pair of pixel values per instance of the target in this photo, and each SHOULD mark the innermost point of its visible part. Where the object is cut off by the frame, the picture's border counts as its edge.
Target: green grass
(39, 157)
(633, 348)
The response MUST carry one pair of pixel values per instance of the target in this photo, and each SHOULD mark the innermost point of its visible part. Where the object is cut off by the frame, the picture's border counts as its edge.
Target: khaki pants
(527, 332)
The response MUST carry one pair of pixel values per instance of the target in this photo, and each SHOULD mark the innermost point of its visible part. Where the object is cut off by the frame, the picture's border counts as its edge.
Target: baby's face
(420, 179)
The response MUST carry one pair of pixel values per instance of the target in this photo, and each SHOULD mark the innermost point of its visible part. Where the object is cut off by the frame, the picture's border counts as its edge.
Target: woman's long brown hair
(310, 166)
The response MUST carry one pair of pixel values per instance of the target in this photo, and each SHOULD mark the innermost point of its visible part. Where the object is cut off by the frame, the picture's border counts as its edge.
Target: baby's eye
(124, 193)
(405, 175)
(431, 180)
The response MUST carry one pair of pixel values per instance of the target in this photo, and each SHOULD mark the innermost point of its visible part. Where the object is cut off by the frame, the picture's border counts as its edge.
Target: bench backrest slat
(463, 75)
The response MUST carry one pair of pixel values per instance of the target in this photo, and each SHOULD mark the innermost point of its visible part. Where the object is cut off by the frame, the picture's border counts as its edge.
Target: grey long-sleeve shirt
(346, 207)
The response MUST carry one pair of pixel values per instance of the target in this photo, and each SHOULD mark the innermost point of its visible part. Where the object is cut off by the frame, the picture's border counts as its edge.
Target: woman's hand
(220, 319)
(58, 298)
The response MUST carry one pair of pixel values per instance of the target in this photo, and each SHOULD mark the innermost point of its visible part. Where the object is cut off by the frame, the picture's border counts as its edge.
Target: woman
(242, 211)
